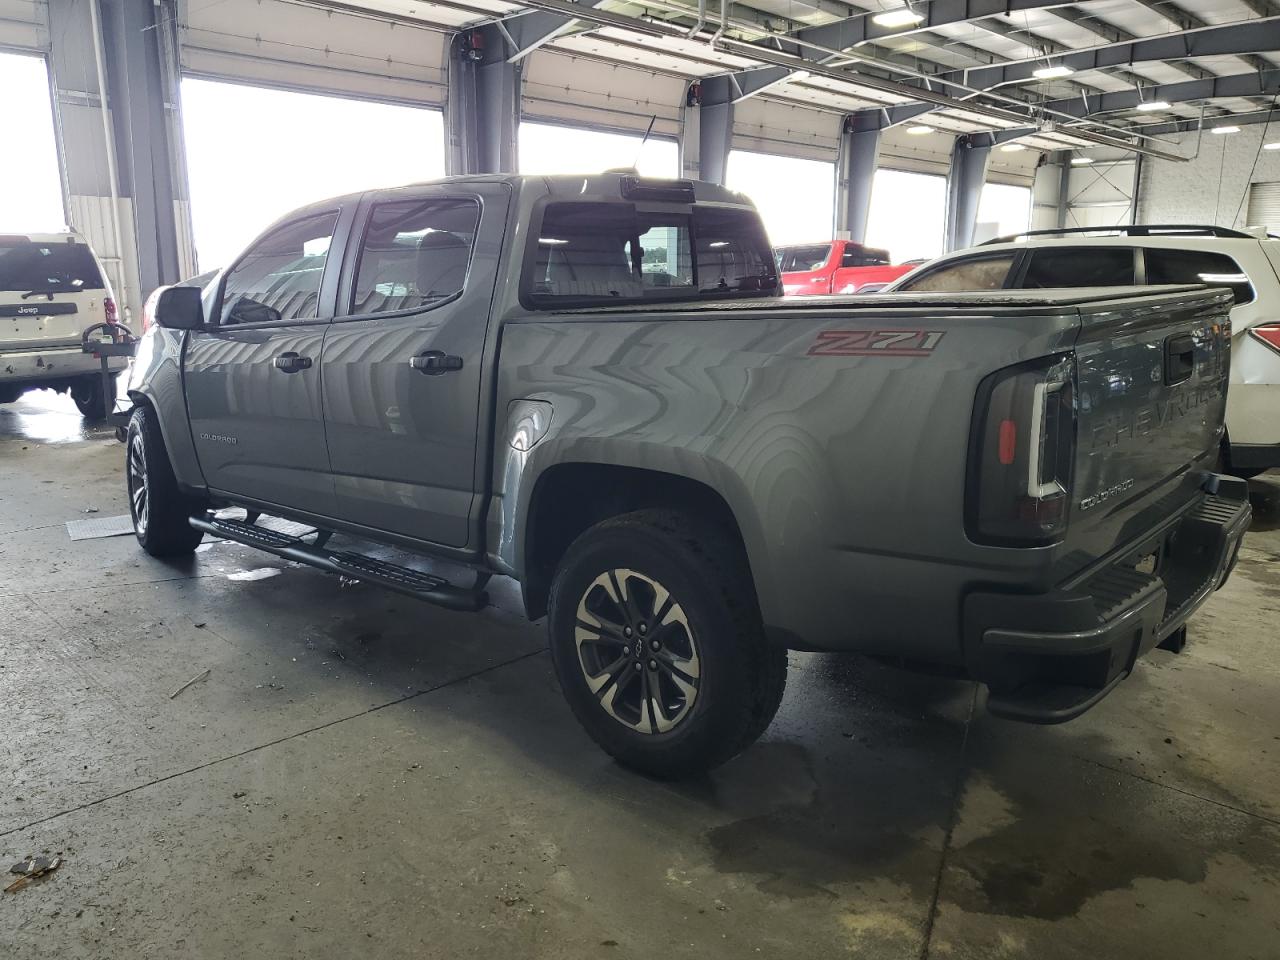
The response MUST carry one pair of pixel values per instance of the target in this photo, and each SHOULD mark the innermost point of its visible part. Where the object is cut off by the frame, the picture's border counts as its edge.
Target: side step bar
(404, 580)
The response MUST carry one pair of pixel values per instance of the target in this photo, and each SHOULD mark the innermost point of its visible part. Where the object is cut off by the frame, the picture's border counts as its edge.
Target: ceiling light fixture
(1148, 105)
(1271, 146)
(919, 129)
(1053, 73)
(1081, 161)
(1013, 147)
(1227, 129)
(897, 17)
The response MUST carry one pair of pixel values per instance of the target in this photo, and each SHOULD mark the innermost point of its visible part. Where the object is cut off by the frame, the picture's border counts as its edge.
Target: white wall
(1212, 188)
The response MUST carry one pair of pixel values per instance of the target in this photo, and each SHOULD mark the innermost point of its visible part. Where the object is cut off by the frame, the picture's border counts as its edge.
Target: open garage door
(30, 185)
(547, 148)
(796, 197)
(310, 48)
(286, 149)
(585, 93)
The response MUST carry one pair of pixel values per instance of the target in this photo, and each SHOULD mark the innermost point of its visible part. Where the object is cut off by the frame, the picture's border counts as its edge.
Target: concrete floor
(361, 772)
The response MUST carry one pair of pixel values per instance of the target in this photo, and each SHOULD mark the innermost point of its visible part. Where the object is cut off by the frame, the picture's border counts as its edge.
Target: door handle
(1179, 358)
(291, 362)
(435, 362)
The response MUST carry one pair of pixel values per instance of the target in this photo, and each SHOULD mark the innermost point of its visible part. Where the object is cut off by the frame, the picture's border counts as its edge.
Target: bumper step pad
(359, 566)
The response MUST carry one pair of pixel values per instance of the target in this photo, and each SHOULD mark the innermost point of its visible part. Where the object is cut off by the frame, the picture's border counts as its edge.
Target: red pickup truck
(840, 266)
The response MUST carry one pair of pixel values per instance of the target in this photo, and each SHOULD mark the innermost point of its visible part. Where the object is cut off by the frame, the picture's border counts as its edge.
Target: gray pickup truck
(590, 384)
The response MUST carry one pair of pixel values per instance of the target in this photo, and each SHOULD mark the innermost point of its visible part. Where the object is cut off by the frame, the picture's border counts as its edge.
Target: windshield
(47, 267)
(811, 256)
(605, 252)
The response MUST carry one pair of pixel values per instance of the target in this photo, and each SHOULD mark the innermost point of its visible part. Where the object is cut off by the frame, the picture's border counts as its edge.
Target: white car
(52, 288)
(1136, 255)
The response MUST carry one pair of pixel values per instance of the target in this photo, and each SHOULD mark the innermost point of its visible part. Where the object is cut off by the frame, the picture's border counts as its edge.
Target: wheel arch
(569, 497)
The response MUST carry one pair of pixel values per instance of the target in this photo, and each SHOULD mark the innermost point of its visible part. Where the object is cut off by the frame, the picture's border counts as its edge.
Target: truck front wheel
(158, 508)
(658, 646)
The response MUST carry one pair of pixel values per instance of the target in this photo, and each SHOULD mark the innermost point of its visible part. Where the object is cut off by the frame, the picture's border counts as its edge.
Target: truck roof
(587, 186)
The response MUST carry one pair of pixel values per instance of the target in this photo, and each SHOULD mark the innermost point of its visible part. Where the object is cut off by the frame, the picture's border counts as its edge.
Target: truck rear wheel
(658, 647)
(159, 509)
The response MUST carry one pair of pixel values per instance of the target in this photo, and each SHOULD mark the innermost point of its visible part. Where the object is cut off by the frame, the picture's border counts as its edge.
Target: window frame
(528, 261)
(346, 294)
(328, 277)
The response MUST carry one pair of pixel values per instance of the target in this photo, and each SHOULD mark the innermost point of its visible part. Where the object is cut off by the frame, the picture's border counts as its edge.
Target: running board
(358, 566)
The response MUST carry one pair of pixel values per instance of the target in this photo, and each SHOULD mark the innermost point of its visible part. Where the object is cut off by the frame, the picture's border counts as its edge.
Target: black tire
(159, 509)
(740, 676)
(93, 403)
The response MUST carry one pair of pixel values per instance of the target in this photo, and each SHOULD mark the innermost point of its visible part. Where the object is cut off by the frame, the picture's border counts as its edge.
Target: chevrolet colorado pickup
(591, 385)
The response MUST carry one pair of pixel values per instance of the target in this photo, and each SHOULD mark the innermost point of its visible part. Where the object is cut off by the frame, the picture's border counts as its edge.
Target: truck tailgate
(1151, 393)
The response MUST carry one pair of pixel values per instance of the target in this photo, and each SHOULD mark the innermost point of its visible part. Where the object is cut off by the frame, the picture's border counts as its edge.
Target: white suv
(52, 288)
(1137, 255)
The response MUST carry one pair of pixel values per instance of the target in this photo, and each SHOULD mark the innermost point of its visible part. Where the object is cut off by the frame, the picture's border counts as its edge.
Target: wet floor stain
(44, 416)
(816, 837)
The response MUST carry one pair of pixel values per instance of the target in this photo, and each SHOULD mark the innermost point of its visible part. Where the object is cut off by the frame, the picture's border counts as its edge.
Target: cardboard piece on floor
(99, 527)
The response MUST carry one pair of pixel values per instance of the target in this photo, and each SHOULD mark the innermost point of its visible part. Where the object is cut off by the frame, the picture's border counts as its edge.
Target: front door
(403, 362)
(253, 375)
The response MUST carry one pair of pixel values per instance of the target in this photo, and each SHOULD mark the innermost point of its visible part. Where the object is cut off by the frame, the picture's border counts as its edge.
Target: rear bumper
(52, 366)
(1048, 658)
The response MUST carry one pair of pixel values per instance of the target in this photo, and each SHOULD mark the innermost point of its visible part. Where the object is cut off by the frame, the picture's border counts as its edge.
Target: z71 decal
(875, 343)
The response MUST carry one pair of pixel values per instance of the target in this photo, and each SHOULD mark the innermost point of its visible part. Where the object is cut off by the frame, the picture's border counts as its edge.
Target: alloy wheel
(139, 499)
(637, 651)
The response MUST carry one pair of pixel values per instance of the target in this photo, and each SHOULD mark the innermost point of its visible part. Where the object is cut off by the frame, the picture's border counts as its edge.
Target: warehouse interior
(234, 755)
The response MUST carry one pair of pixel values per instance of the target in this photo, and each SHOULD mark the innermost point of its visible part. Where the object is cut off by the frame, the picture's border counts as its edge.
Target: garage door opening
(549, 148)
(1003, 210)
(908, 214)
(255, 153)
(30, 185)
(795, 197)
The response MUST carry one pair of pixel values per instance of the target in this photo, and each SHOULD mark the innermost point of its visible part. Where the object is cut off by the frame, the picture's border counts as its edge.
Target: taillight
(1268, 333)
(1020, 469)
(109, 310)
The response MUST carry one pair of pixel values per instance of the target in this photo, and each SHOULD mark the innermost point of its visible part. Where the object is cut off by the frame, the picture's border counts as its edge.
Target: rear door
(253, 376)
(50, 291)
(403, 361)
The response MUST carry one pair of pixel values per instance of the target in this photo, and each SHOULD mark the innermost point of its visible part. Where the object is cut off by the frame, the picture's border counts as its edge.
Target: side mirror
(179, 308)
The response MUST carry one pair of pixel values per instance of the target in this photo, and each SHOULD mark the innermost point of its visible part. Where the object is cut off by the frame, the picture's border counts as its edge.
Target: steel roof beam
(1193, 123)
(1260, 84)
(1252, 36)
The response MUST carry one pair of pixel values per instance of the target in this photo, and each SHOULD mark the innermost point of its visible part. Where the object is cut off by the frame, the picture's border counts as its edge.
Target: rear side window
(1196, 266)
(609, 252)
(812, 256)
(985, 273)
(414, 253)
(1079, 267)
(864, 257)
(279, 278)
(47, 267)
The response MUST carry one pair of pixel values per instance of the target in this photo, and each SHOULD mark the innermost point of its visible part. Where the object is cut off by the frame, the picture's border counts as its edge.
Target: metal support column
(114, 79)
(856, 165)
(714, 128)
(483, 113)
(964, 188)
